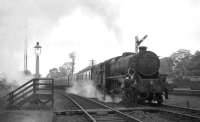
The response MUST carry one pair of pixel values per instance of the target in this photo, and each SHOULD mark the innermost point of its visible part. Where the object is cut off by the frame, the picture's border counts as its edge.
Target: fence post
(11, 98)
(188, 104)
(34, 87)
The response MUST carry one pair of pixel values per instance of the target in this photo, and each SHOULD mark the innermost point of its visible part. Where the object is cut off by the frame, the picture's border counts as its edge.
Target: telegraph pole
(25, 50)
(25, 56)
(92, 64)
(72, 56)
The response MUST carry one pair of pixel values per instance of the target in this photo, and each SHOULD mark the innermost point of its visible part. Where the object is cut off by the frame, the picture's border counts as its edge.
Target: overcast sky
(94, 29)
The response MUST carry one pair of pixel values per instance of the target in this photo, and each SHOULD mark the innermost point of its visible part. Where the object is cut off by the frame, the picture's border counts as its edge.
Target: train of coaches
(133, 76)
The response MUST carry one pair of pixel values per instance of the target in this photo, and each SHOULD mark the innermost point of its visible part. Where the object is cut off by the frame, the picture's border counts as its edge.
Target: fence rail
(29, 88)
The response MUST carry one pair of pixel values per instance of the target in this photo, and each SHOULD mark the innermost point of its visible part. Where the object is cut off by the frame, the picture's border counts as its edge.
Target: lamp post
(37, 53)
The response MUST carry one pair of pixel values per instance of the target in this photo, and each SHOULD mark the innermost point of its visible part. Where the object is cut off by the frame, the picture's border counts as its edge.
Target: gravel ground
(72, 118)
(26, 116)
(194, 102)
(156, 117)
(148, 117)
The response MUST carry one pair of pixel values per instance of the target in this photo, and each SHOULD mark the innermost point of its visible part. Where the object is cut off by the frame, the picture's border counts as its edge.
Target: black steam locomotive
(133, 76)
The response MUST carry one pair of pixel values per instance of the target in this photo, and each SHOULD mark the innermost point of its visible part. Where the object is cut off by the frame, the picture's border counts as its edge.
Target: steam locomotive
(133, 76)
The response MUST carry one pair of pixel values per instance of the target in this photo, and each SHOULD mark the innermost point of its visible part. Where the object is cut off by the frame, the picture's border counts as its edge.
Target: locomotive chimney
(142, 49)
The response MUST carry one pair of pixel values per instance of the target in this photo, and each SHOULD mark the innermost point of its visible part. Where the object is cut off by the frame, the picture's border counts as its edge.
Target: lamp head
(37, 48)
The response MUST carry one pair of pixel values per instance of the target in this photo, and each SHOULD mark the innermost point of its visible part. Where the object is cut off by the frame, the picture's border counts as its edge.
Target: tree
(53, 73)
(194, 65)
(180, 60)
(65, 71)
(73, 57)
(66, 68)
(166, 65)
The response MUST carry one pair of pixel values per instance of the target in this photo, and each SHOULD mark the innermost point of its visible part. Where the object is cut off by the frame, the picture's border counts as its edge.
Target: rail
(124, 115)
(92, 119)
(133, 119)
(187, 111)
(185, 92)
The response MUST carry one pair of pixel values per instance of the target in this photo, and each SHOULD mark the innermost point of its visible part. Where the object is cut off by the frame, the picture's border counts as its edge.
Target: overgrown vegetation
(181, 66)
(66, 70)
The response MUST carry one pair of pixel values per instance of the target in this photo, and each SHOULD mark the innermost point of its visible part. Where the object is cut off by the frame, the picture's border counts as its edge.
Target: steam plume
(41, 16)
(87, 89)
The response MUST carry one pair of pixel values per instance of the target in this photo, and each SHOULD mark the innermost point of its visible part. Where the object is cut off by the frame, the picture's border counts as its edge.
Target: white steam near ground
(18, 78)
(87, 88)
(11, 80)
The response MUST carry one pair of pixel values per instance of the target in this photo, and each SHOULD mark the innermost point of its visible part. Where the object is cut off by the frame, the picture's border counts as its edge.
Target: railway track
(103, 112)
(95, 111)
(185, 92)
(180, 113)
(188, 112)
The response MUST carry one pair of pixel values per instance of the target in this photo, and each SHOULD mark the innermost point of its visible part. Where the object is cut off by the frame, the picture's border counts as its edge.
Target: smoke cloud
(35, 19)
(87, 89)
(18, 78)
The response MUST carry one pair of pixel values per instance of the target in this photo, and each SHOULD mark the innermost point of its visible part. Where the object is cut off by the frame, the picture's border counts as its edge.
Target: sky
(93, 29)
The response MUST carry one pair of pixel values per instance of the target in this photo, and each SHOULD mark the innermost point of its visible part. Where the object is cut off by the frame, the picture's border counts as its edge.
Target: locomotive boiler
(145, 63)
(134, 77)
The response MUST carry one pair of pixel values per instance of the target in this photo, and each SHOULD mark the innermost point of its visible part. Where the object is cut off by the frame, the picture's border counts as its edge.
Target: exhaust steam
(88, 89)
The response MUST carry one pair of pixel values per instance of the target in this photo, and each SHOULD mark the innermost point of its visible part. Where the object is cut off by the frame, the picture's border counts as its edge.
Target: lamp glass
(37, 51)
